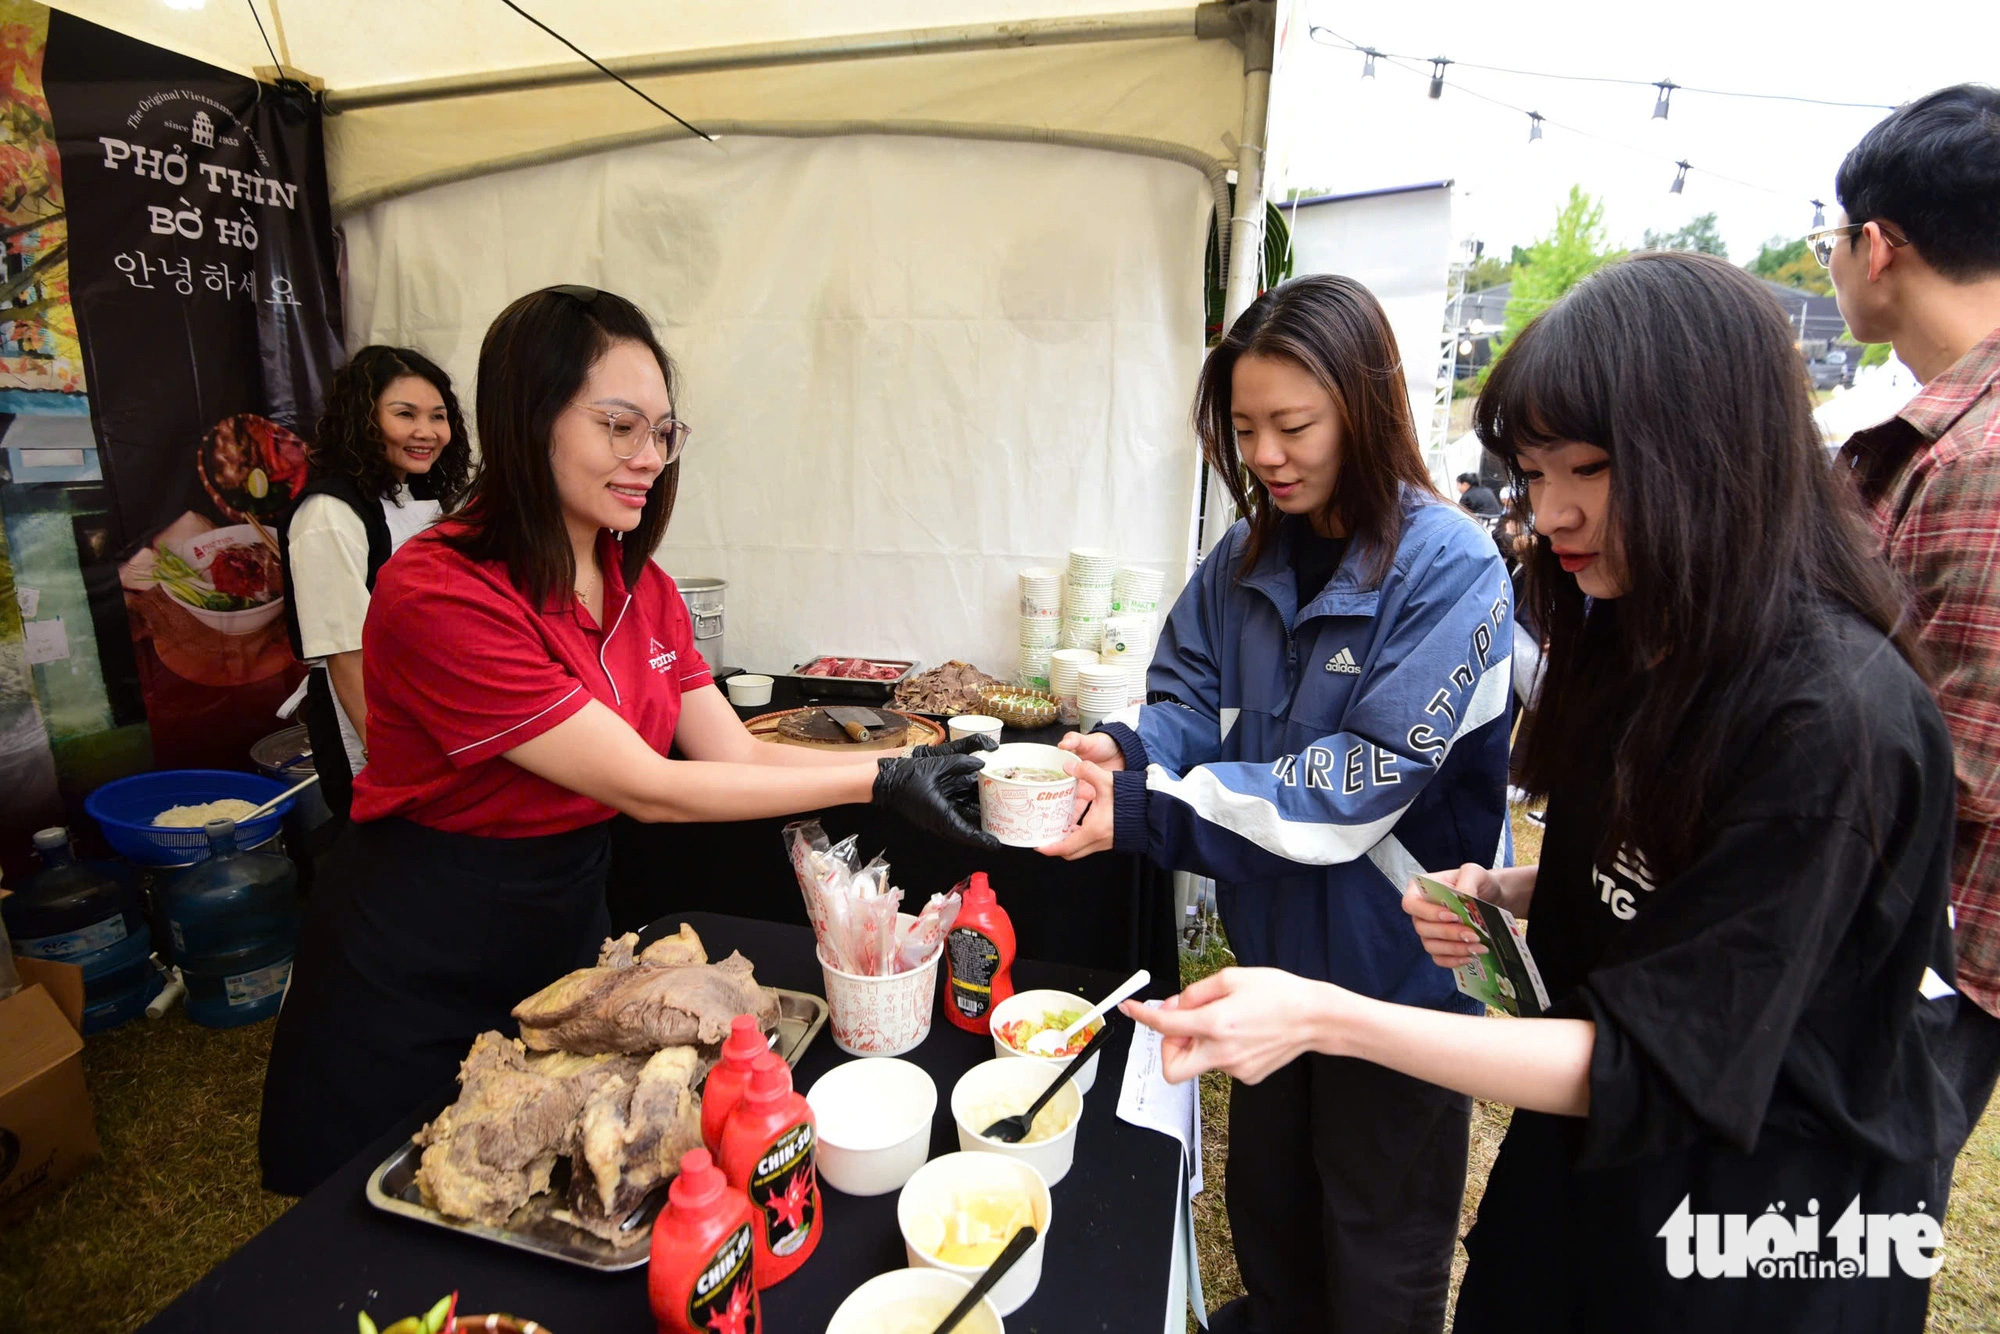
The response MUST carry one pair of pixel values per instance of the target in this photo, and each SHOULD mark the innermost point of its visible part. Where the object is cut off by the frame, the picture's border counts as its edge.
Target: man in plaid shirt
(1916, 263)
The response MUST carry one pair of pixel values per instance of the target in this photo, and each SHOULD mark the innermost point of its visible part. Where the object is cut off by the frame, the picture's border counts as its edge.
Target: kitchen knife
(855, 722)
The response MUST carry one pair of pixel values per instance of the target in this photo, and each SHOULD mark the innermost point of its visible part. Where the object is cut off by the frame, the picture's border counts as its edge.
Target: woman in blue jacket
(1330, 716)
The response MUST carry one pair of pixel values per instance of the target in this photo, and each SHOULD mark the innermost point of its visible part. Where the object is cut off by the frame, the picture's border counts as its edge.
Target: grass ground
(177, 1190)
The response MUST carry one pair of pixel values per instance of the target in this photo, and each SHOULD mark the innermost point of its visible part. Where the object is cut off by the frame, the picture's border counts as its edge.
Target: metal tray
(853, 687)
(392, 1187)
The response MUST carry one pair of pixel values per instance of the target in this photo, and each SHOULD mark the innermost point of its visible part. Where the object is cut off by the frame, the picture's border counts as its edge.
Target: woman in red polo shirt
(527, 669)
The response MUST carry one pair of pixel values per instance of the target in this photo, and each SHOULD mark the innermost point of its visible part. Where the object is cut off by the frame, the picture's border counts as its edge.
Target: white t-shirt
(329, 548)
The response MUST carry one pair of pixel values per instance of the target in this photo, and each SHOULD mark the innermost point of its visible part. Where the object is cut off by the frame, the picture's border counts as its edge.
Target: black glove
(936, 793)
(965, 745)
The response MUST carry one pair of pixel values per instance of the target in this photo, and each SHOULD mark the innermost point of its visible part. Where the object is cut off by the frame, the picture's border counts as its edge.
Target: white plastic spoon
(1046, 1043)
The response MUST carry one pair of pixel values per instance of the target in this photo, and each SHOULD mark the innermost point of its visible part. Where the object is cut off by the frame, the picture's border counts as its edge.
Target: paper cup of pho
(1017, 1019)
(1026, 800)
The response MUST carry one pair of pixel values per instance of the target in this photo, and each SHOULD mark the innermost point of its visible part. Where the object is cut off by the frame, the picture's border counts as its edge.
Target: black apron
(415, 942)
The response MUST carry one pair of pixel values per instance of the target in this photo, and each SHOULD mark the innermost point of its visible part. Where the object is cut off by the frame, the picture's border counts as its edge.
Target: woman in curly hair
(391, 455)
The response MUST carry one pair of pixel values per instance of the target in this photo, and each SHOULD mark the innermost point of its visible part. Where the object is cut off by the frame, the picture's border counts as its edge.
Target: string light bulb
(1680, 177)
(1666, 87)
(1368, 54)
(1819, 214)
(1534, 126)
(1437, 76)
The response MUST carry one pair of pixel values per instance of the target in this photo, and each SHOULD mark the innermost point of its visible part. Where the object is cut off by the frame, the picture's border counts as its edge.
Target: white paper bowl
(932, 1190)
(749, 690)
(1029, 1005)
(874, 1122)
(1015, 1084)
(1023, 814)
(969, 724)
(882, 1293)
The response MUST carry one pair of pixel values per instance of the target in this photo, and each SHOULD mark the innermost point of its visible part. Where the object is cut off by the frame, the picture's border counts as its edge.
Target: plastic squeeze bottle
(700, 1280)
(979, 958)
(768, 1153)
(727, 1081)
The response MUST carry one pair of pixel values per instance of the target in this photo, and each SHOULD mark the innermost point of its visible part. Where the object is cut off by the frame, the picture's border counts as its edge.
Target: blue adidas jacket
(1314, 758)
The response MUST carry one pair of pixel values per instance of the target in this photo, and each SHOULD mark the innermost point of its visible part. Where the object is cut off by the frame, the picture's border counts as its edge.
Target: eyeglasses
(629, 432)
(1821, 242)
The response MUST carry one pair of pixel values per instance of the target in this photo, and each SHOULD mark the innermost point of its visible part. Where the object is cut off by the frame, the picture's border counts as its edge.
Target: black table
(1108, 1264)
(1111, 911)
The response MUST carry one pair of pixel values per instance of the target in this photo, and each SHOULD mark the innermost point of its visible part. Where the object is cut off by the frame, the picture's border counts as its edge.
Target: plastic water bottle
(234, 919)
(87, 914)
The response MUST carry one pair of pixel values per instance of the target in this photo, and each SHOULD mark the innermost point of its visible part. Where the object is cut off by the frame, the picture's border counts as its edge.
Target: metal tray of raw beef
(392, 1187)
(830, 676)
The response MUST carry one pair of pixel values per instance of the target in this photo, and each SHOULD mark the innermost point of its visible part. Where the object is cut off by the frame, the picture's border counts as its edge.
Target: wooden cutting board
(791, 727)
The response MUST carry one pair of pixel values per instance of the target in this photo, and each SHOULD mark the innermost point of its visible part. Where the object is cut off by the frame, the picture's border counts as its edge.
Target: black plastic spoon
(1016, 1247)
(1014, 1129)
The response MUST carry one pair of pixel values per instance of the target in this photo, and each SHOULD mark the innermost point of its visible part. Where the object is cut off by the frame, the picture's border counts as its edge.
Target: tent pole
(1208, 20)
(1256, 22)
(1246, 225)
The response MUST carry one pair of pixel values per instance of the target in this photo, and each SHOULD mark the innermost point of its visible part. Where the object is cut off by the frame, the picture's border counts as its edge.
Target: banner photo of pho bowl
(228, 579)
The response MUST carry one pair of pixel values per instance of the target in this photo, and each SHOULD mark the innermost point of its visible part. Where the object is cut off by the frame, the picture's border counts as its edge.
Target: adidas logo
(1343, 662)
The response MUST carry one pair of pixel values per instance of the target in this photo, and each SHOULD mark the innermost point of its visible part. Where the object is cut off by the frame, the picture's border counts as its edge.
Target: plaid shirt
(1932, 474)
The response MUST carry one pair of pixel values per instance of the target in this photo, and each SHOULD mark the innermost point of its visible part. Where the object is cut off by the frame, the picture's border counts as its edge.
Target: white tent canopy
(447, 88)
(935, 290)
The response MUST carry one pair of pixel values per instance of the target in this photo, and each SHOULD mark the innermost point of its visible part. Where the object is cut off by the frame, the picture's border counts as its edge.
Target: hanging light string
(1332, 38)
(1411, 65)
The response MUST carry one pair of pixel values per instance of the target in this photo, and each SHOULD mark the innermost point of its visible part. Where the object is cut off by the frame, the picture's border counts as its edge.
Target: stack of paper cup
(1087, 596)
(1092, 567)
(1128, 642)
(1137, 589)
(1041, 593)
(1064, 682)
(1101, 691)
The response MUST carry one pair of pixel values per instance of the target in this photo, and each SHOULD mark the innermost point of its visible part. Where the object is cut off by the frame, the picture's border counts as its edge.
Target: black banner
(203, 275)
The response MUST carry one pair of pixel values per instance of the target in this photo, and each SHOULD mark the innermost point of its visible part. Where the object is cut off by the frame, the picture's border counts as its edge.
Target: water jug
(234, 920)
(86, 913)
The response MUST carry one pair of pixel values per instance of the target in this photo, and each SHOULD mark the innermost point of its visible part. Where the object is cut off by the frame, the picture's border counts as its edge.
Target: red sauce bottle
(701, 1278)
(768, 1152)
(727, 1081)
(979, 958)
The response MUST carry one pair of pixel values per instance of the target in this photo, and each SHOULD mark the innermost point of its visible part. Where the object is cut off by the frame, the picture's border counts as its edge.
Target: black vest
(336, 780)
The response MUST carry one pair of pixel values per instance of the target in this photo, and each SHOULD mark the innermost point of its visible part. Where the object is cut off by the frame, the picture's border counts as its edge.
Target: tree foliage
(1488, 271)
(1572, 250)
(1790, 264)
(1699, 235)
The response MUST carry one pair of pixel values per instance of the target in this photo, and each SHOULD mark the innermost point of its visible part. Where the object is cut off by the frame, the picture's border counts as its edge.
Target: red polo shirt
(460, 667)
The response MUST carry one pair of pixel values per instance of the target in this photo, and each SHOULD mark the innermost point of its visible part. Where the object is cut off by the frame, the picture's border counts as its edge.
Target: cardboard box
(47, 1132)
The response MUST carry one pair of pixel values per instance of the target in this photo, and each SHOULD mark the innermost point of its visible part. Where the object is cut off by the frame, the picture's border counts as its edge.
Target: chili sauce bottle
(701, 1278)
(768, 1153)
(727, 1081)
(979, 958)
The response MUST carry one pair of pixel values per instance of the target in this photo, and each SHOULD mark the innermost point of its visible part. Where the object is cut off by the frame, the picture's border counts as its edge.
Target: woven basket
(1026, 709)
